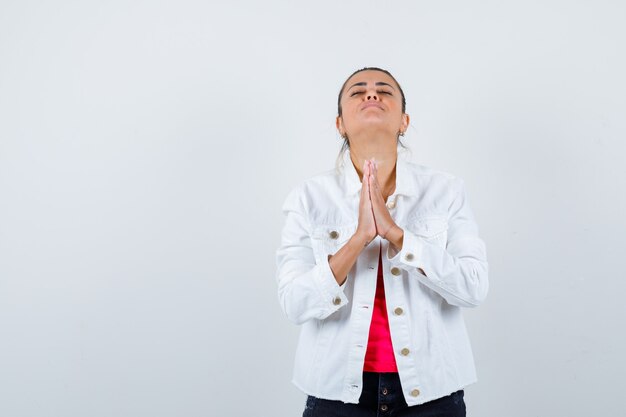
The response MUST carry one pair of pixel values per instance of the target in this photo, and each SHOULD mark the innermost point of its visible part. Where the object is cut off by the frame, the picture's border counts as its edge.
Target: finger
(375, 171)
(365, 195)
(366, 175)
(367, 171)
(375, 193)
(373, 178)
(378, 187)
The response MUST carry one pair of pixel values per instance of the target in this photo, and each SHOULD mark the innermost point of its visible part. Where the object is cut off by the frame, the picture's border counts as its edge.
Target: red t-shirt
(379, 356)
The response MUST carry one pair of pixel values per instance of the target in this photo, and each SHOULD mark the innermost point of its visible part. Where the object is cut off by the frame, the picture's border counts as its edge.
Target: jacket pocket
(432, 228)
(329, 238)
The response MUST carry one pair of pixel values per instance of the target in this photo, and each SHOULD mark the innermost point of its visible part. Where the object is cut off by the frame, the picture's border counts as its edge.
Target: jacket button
(409, 256)
(383, 408)
(405, 352)
(337, 301)
(415, 392)
(334, 234)
(384, 391)
(398, 311)
(391, 204)
(395, 270)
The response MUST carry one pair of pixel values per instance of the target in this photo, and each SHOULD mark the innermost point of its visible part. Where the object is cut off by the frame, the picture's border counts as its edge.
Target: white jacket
(431, 345)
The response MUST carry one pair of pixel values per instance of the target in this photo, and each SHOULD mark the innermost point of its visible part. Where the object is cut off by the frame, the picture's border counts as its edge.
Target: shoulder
(316, 186)
(426, 176)
(421, 170)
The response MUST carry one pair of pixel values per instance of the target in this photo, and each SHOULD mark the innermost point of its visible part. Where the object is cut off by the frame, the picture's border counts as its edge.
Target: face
(371, 101)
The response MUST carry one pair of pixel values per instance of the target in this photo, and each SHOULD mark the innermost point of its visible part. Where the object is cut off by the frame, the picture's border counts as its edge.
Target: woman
(377, 260)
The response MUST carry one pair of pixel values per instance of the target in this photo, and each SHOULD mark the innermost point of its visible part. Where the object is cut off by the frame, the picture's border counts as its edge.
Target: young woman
(377, 259)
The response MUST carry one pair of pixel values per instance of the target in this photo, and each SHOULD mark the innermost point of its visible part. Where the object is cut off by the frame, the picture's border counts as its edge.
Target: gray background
(146, 148)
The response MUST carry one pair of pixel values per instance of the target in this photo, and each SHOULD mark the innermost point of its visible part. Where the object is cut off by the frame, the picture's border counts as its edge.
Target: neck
(385, 153)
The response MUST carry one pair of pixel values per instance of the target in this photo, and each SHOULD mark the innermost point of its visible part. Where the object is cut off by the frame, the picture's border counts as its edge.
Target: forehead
(370, 77)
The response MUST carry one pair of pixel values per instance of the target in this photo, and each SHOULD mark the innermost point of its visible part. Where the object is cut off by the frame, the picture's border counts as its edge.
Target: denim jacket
(430, 341)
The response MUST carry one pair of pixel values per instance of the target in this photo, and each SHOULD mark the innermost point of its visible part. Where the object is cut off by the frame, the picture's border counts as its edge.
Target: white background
(146, 148)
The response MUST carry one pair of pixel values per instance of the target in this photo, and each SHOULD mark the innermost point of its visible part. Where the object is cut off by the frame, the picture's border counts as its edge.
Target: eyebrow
(362, 83)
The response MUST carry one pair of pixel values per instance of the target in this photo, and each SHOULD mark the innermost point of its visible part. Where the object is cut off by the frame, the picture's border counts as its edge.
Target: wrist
(395, 236)
(360, 239)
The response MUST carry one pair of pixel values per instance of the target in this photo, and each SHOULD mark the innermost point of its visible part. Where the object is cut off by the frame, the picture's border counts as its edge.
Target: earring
(344, 136)
(401, 133)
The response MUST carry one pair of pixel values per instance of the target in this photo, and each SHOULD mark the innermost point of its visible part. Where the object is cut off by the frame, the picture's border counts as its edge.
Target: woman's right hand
(366, 229)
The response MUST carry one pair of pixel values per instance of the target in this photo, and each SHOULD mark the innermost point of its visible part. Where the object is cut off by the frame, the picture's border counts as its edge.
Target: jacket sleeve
(459, 272)
(307, 288)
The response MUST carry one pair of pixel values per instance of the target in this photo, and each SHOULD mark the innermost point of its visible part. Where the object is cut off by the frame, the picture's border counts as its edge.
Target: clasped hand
(374, 217)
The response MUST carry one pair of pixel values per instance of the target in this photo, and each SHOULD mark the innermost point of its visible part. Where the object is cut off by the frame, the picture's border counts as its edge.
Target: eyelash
(379, 92)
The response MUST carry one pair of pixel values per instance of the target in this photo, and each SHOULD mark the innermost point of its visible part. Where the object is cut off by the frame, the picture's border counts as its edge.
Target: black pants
(382, 396)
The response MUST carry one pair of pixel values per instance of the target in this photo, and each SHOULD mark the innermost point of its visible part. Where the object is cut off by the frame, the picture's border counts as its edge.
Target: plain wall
(146, 148)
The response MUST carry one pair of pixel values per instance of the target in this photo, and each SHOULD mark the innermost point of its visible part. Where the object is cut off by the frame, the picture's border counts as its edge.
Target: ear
(405, 122)
(339, 124)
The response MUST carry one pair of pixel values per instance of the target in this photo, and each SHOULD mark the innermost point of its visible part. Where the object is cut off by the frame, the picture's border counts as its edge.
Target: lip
(371, 104)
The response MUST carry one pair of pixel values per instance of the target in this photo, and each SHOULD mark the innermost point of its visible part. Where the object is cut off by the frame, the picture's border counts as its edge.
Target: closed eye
(355, 93)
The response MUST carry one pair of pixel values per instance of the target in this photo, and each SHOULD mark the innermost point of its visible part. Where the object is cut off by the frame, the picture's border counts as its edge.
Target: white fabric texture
(440, 236)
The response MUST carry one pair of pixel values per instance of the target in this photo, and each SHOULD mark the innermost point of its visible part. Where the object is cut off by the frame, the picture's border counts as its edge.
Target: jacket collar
(405, 182)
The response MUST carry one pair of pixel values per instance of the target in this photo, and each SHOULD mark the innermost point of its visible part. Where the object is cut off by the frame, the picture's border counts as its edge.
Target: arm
(459, 273)
(342, 261)
(307, 287)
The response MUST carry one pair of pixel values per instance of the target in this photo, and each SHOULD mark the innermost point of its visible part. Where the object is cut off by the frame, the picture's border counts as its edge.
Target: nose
(372, 96)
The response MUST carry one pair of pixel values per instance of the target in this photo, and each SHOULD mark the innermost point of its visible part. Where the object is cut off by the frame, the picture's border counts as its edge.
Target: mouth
(371, 104)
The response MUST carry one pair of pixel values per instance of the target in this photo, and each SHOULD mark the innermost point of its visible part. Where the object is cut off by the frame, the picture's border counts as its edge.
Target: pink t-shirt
(379, 356)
